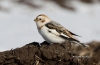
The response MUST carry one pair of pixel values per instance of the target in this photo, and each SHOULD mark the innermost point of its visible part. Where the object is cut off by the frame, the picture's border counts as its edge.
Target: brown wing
(64, 33)
(73, 33)
(59, 28)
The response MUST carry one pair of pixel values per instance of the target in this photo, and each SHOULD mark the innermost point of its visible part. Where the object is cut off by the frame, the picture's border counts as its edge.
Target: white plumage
(53, 32)
(51, 37)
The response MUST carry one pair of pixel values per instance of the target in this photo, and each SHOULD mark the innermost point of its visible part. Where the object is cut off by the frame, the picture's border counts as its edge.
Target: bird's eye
(40, 19)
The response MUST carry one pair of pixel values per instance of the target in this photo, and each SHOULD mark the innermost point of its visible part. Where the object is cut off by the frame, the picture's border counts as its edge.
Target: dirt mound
(52, 54)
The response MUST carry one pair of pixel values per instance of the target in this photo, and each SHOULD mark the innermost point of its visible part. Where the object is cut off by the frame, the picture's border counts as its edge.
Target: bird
(53, 32)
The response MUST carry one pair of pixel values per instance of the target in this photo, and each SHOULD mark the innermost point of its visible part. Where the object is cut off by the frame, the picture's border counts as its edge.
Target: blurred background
(17, 27)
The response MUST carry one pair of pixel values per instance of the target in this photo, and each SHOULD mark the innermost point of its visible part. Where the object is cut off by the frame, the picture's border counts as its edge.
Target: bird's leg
(66, 45)
(69, 46)
(73, 47)
(63, 45)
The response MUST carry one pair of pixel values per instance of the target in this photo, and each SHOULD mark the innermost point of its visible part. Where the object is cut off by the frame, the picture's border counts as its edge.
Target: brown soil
(52, 54)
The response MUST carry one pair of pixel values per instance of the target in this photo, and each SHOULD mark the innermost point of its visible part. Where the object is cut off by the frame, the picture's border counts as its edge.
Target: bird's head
(42, 20)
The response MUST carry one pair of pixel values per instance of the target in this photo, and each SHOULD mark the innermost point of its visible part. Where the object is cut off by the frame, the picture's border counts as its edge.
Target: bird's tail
(77, 42)
(86, 46)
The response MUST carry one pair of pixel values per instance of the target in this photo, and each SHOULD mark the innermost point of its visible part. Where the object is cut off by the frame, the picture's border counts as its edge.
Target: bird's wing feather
(59, 25)
(60, 29)
(74, 33)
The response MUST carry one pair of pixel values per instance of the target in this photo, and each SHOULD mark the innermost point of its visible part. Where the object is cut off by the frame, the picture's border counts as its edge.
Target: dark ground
(54, 54)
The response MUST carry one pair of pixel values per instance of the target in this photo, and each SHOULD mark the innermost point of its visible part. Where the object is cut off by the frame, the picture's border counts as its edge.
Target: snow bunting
(53, 32)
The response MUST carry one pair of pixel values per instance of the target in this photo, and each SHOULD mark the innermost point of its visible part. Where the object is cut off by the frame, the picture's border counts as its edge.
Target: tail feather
(74, 34)
(84, 45)
(72, 40)
(77, 42)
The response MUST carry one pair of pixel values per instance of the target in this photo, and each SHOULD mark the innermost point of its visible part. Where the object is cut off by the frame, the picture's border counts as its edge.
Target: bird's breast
(50, 37)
